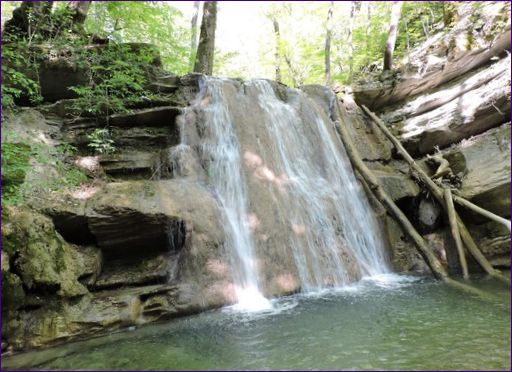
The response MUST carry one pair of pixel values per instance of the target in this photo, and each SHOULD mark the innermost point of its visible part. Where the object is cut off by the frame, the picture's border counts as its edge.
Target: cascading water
(323, 196)
(221, 154)
(314, 212)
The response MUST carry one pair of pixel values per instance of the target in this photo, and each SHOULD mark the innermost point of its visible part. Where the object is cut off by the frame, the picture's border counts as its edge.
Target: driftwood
(471, 60)
(421, 176)
(482, 211)
(450, 209)
(428, 102)
(432, 261)
(443, 166)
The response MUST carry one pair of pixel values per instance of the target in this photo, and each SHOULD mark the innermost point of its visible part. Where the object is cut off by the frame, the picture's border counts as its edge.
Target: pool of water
(388, 322)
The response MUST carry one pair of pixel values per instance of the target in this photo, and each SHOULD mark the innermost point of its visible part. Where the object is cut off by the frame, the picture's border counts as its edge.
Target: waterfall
(287, 191)
(326, 197)
(220, 154)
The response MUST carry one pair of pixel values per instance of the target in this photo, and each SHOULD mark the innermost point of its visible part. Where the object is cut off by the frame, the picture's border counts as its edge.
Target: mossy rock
(42, 259)
(13, 295)
(15, 163)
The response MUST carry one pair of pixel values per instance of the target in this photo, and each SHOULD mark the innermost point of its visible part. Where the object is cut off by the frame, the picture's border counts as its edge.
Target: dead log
(481, 211)
(388, 94)
(432, 261)
(476, 111)
(450, 209)
(421, 176)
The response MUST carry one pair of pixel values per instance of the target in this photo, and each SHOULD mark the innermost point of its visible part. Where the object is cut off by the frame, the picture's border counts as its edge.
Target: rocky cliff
(449, 97)
(142, 239)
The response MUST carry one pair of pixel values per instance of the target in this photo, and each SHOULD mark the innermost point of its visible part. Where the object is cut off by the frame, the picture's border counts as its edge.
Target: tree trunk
(430, 258)
(296, 78)
(454, 228)
(483, 212)
(328, 35)
(436, 191)
(206, 49)
(277, 53)
(193, 33)
(393, 31)
(78, 11)
(350, 42)
(28, 19)
(367, 30)
(425, 251)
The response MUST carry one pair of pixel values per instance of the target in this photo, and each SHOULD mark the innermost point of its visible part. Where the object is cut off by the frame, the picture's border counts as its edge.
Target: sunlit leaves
(158, 23)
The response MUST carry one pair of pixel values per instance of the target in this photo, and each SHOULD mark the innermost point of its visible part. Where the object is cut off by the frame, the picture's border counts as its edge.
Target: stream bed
(385, 322)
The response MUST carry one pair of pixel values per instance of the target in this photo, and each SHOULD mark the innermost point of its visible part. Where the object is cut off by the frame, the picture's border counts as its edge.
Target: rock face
(444, 56)
(484, 163)
(156, 254)
(452, 98)
(297, 180)
(145, 240)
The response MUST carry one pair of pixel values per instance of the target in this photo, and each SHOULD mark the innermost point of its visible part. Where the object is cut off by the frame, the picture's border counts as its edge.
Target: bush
(16, 164)
(117, 76)
(18, 62)
(101, 141)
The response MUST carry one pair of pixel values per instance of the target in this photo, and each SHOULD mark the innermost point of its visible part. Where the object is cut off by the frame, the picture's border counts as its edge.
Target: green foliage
(417, 22)
(157, 23)
(117, 78)
(19, 159)
(101, 141)
(15, 157)
(19, 74)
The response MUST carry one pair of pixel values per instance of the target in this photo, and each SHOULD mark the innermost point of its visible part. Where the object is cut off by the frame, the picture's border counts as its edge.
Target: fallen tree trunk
(481, 211)
(455, 231)
(388, 94)
(428, 102)
(474, 112)
(438, 194)
(433, 263)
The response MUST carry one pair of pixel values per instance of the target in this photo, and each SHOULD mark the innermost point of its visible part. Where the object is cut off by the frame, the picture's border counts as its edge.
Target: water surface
(386, 323)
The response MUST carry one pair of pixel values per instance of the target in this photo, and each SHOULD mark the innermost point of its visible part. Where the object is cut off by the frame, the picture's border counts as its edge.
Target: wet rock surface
(450, 99)
(146, 242)
(142, 243)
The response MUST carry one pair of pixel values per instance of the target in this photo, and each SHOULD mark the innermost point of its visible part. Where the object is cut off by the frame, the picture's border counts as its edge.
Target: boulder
(42, 259)
(483, 162)
(494, 241)
(429, 214)
(397, 185)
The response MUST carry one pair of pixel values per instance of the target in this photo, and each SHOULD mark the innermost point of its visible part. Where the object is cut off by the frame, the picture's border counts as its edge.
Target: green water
(405, 323)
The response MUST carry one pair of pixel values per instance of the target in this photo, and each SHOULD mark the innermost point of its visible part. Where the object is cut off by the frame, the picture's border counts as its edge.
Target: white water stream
(334, 238)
